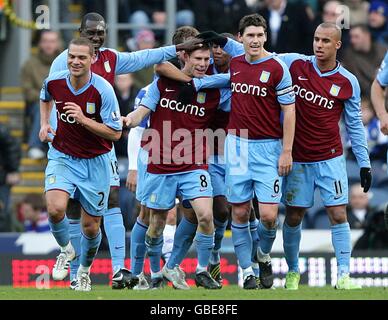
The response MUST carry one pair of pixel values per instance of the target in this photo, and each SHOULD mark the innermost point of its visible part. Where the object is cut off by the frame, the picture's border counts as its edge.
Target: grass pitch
(100, 292)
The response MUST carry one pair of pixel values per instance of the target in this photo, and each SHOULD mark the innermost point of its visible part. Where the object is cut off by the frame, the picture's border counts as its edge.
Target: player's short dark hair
(228, 35)
(184, 33)
(251, 20)
(91, 16)
(83, 42)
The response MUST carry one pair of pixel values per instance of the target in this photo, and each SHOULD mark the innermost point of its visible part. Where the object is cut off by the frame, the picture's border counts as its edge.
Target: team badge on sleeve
(334, 90)
(264, 77)
(107, 66)
(201, 97)
(116, 115)
(90, 108)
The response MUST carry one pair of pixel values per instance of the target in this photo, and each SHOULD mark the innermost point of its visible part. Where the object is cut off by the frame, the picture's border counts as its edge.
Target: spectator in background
(333, 12)
(358, 208)
(153, 11)
(375, 236)
(358, 10)
(145, 39)
(126, 93)
(377, 141)
(34, 71)
(290, 26)
(220, 15)
(363, 57)
(378, 15)
(10, 154)
(33, 214)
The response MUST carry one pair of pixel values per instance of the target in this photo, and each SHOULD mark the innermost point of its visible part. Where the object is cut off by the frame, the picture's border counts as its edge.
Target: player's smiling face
(253, 40)
(79, 60)
(197, 63)
(326, 43)
(95, 31)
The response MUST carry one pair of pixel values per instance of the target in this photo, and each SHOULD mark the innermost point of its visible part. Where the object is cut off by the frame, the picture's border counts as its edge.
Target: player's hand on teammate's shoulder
(44, 132)
(285, 163)
(131, 182)
(75, 111)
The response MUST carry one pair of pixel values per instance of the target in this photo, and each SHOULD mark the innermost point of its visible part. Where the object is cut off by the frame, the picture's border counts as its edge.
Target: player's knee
(220, 211)
(337, 215)
(241, 213)
(205, 219)
(73, 210)
(268, 220)
(90, 228)
(56, 211)
(113, 200)
(294, 216)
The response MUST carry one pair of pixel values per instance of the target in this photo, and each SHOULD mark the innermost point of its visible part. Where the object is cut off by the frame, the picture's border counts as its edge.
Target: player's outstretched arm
(134, 118)
(168, 70)
(285, 159)
(378, 102)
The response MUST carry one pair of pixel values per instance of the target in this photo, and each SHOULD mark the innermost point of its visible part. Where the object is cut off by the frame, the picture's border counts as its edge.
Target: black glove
(213, 37)
(366, 178)
(186, 92)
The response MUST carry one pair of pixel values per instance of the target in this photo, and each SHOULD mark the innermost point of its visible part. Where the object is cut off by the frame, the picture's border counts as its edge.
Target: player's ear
(239, 37)
(338, 44)
(94, 58)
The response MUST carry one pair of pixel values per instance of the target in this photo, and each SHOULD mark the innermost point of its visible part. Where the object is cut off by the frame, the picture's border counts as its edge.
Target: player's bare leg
(56, 206)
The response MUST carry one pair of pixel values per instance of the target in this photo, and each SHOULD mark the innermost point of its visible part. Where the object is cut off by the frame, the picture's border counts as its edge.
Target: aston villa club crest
(264, 77)
(201, 97)
(90, 108)
(107, 66)
(334, 90)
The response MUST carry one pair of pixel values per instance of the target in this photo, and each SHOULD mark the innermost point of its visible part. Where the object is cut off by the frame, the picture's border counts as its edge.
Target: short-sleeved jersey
(258, 89)
(382, 75)
(175, 125)
(321, 97)
(97, 101)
